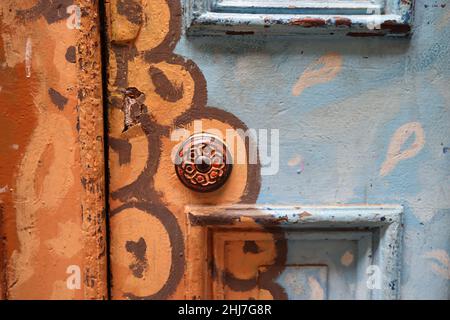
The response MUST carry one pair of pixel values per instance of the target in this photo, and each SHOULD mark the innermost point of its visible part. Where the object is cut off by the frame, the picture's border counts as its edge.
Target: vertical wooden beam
(91, 139)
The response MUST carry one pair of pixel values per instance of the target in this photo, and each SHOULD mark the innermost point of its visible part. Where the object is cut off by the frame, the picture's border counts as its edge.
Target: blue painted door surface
(351, 197)
(360, 120)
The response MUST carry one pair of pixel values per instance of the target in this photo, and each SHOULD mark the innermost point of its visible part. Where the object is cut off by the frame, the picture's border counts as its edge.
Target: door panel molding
(377, 230)
(352, 18)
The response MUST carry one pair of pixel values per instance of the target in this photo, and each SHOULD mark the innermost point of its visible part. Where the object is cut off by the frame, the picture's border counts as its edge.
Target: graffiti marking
(395, 154)
(442, 267)
(322, 70)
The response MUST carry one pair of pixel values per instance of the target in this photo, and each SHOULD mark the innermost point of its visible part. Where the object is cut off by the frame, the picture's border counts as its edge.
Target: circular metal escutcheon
(203, 162)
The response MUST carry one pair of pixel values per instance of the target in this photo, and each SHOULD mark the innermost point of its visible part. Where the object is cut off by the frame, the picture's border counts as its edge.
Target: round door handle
(203, 162)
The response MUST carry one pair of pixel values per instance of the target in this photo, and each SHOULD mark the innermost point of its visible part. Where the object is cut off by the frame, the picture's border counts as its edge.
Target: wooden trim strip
(91, 139)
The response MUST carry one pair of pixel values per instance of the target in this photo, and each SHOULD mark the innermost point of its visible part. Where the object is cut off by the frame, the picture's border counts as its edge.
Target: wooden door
(336, 119)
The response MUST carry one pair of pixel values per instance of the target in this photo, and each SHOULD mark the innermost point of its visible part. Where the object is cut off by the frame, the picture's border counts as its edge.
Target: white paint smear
(28, 55)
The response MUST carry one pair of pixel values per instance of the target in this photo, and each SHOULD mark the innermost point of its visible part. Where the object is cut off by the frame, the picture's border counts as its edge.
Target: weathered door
(335, 120)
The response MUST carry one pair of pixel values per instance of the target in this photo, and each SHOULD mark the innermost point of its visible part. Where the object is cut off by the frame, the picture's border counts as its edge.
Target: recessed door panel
(269, 252)
(318, 266)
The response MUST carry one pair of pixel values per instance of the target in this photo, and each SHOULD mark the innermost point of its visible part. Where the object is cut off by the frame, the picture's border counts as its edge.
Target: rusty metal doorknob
(203, 162)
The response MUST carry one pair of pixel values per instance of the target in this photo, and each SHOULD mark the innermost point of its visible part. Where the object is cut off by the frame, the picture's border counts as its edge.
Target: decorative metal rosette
(203, 163)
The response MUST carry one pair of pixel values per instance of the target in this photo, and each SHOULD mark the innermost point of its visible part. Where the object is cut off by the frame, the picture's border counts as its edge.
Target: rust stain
(343, 22)
(395, 27)
(308, 22)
